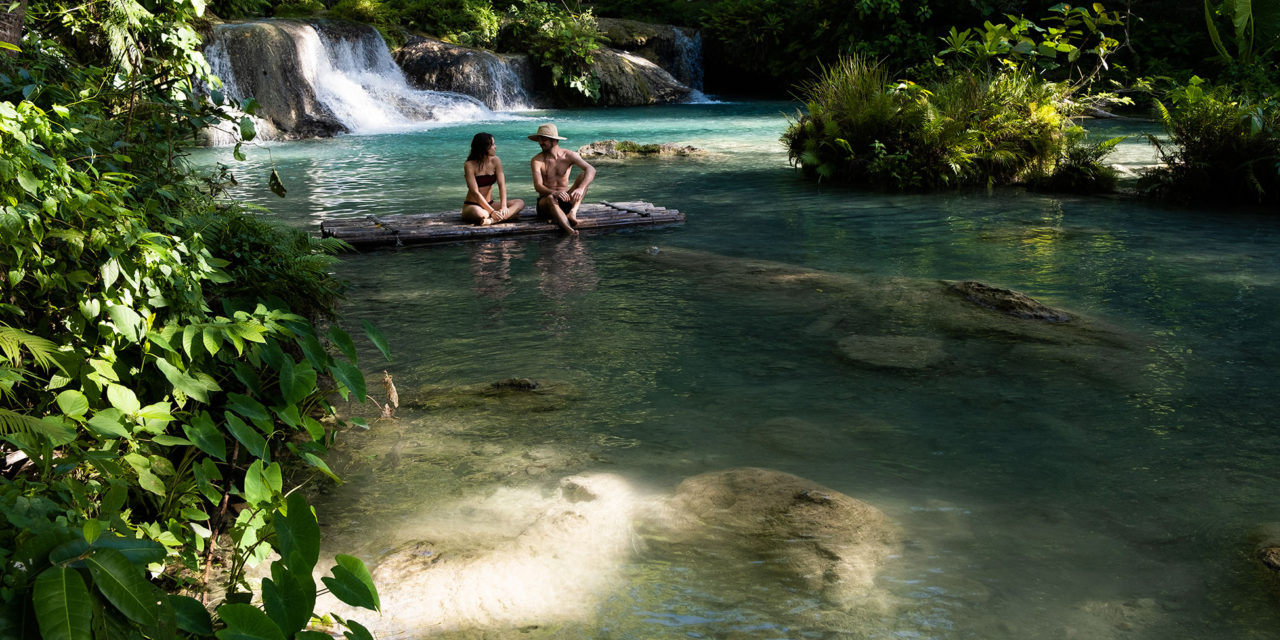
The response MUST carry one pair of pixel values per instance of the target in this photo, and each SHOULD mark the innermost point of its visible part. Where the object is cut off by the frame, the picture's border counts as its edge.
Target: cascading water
(319, 81)
(687, 66)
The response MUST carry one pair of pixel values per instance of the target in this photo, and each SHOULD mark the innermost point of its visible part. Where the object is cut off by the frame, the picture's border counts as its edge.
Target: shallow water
(1079, 493)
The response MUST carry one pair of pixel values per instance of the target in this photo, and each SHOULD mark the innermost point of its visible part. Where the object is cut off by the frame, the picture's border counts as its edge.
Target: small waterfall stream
(349, 83)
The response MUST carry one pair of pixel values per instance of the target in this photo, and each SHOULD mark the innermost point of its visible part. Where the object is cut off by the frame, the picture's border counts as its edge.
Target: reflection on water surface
(1043, 487)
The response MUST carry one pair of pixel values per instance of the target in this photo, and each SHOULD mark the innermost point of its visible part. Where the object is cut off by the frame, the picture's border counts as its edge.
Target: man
(557, 201)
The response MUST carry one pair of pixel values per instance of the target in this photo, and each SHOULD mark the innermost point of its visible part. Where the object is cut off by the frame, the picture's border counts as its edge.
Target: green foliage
(371, 12)
(296, 8)
(1224, 146)
(473, 23)
(1081, 168)
(965, 130)
(1072, 44)
(146, 384)
(784, 39)
(239, 9)
(557, 40)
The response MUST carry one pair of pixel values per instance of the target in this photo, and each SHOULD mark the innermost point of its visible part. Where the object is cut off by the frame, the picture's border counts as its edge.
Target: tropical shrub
(1222, 146)
(472, 23)
(296, 8)
(238, 9)
(558, 41)
(371, 12)
(785, 39)
(966, 130)
(148, 401)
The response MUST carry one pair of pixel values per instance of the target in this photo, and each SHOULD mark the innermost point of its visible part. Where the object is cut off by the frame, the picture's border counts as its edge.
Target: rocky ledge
(627, 148)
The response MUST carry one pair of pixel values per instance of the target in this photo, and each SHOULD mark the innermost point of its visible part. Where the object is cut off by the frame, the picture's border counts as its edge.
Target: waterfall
(688, 62)
(505, 83)
(316, 80)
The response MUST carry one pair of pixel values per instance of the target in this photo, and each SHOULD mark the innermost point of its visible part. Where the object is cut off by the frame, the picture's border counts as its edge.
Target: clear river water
(1036, 489)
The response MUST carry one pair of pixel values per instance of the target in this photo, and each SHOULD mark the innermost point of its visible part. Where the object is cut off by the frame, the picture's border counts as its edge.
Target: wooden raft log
(448, 227)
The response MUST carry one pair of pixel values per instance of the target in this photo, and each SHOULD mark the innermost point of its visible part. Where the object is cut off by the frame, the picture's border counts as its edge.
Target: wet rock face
(267, 65)
(630, 80)
(1008, 302)
(663, 45)
(829, 541)
(501, 81)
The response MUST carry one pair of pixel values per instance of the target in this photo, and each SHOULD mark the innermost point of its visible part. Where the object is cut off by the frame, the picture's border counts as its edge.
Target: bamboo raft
(448, 227)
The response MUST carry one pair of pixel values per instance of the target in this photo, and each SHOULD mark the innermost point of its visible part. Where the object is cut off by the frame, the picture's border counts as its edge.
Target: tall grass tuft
(963, 130)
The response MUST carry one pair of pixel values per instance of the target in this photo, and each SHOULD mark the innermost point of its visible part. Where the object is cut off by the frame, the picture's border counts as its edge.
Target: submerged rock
(893, 352)
(1007, 301)
(625, 148)
(831, 543)
(912, 323)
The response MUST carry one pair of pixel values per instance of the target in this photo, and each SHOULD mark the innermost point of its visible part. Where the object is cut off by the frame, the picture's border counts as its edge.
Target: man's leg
(549, 208)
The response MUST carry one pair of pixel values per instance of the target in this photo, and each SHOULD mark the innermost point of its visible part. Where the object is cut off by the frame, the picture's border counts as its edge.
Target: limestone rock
(829, 541)
(499, 80)
(676, 49)
(1008, 302)
(893, 352)
(629, 80)
(266, 64)
(625, 148)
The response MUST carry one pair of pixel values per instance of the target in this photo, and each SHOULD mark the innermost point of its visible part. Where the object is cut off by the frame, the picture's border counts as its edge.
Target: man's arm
(586, 174)
(535, 165)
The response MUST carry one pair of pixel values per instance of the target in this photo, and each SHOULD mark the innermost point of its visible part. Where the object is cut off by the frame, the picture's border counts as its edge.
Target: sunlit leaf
(352, 584)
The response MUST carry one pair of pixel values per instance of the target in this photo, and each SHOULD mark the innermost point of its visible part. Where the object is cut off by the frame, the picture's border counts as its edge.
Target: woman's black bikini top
(487, 181)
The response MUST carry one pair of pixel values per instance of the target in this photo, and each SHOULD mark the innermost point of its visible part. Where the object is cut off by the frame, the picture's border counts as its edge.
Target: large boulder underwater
(920, 326)
(519, 559)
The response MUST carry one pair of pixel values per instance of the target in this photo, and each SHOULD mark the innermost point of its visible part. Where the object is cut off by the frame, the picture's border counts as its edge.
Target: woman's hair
(480, 146)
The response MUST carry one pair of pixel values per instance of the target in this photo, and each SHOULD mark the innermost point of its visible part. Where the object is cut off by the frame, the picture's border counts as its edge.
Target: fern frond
(12, 341)
(12, 422)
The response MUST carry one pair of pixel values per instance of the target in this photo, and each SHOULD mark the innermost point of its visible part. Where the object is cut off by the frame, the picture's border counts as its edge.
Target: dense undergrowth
(159, 364)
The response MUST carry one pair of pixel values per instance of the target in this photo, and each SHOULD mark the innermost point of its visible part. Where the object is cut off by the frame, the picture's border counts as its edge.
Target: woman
(483, 169)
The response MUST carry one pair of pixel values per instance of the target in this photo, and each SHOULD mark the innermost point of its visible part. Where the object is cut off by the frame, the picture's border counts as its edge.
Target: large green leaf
(375, 336)
(289, 597)
(192, 616)
(297, 381)
(343, 340)
(197, 387)
(124, 586)
(63, 608)
(247, 435)
(205, 435)
(347, 374)
(123, 398)
(247, 622)
(127, 322)
(261, 485)
(356, 631)
(138, 551)
(73, 403)
(352, 584)
(109, 424)
(297, 534)
(247, 407)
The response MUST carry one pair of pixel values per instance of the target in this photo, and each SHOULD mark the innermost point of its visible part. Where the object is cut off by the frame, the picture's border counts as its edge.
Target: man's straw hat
(547, 131)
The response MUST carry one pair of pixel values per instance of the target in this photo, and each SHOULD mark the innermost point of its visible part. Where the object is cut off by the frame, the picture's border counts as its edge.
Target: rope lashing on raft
(379, 222)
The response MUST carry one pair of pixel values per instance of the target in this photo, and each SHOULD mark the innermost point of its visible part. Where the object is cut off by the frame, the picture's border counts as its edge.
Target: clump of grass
(963, 130)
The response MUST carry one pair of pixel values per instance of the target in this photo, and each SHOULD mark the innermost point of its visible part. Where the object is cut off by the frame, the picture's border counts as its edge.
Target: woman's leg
(475, 214)
(513, 211)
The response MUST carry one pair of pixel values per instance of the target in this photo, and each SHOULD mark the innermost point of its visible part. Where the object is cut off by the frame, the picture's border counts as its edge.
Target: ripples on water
(1075, 497)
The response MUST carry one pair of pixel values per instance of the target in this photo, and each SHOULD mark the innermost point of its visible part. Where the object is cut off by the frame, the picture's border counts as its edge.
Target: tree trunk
(11, 25)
